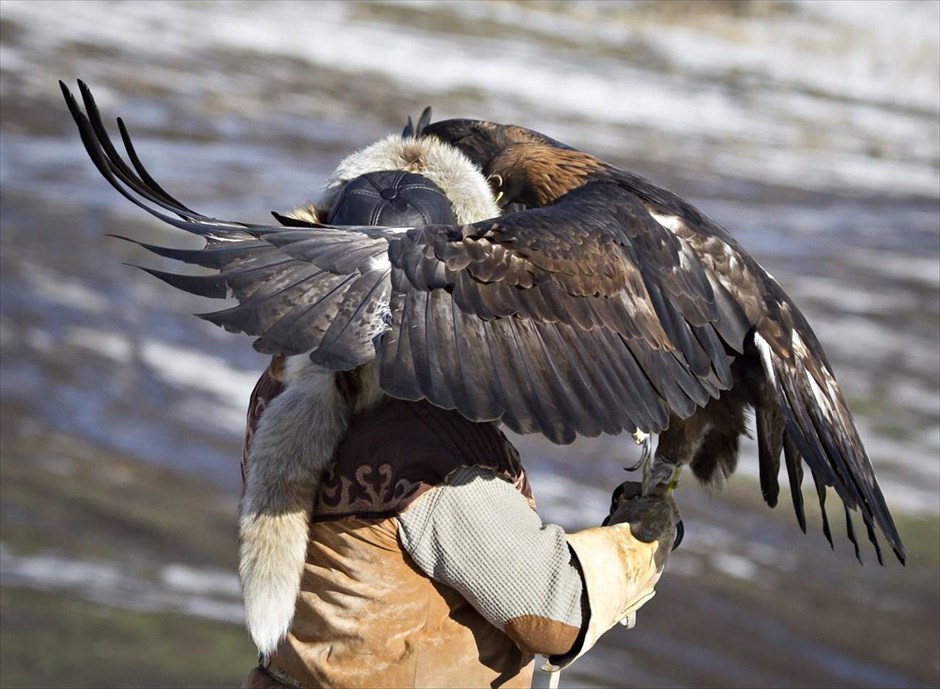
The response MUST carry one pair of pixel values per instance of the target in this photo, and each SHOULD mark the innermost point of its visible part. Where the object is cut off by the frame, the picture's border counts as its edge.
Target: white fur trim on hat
(448, 168)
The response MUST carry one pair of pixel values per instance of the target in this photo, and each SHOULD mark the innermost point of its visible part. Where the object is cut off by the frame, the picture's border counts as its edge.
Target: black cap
(391, 198)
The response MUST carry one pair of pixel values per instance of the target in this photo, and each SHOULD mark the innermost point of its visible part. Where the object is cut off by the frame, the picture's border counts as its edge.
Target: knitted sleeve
(477, 534)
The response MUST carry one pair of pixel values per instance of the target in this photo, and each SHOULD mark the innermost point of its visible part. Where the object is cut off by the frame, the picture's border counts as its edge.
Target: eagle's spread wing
(557, 321)
(298, 290)
(593, 316)
(607, 305)
(782, 371)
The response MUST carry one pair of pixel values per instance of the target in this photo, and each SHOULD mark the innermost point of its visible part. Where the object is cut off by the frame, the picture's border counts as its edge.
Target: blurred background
(810, 129)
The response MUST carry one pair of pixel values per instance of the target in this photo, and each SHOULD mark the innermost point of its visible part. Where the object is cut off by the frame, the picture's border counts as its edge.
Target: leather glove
(651, 518)
(621, 561)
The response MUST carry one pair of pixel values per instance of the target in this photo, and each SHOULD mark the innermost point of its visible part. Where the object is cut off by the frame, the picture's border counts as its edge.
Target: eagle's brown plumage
(601, 304)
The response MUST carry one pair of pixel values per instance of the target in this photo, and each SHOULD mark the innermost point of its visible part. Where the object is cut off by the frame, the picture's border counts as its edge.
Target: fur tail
(296, 438)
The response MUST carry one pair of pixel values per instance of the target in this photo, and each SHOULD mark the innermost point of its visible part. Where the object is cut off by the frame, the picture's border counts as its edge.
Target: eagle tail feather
(795, 473)
(850, 532)
(769, 447)
(820, 429)
(869, 527)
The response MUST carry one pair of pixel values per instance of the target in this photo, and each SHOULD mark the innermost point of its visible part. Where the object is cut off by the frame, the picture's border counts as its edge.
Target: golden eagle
(596, 303)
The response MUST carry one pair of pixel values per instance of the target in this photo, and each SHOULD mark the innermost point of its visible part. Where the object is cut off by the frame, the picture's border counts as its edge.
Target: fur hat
(447, 168)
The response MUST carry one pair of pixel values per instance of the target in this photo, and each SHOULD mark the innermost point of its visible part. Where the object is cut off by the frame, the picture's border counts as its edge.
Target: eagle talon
(680, 534)
(645, 441)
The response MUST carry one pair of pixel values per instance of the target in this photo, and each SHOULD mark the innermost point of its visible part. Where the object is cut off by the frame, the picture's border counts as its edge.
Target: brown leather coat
(366, 616)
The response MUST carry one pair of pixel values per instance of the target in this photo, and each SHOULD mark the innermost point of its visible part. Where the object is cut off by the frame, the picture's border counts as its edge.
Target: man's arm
(477, 534)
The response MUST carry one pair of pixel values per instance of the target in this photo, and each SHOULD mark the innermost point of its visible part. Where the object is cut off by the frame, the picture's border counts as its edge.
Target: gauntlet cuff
(619, 573)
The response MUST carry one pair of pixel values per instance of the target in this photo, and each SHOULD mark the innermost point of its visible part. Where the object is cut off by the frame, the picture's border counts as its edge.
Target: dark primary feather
(602, 303)
(769, 446)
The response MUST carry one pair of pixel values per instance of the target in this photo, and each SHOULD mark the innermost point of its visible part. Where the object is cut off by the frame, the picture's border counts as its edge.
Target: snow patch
(60, 289)
(207, 593)
(735, 566)
(111, 345)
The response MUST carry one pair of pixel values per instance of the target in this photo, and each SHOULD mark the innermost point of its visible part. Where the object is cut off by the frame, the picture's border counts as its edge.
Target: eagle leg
(661, 476)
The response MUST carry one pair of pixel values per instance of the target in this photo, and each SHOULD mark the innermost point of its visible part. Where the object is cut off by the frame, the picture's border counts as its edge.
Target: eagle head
(522, 166)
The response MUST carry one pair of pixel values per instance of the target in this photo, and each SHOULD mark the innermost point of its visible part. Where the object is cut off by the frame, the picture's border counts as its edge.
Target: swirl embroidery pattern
(373, 492)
